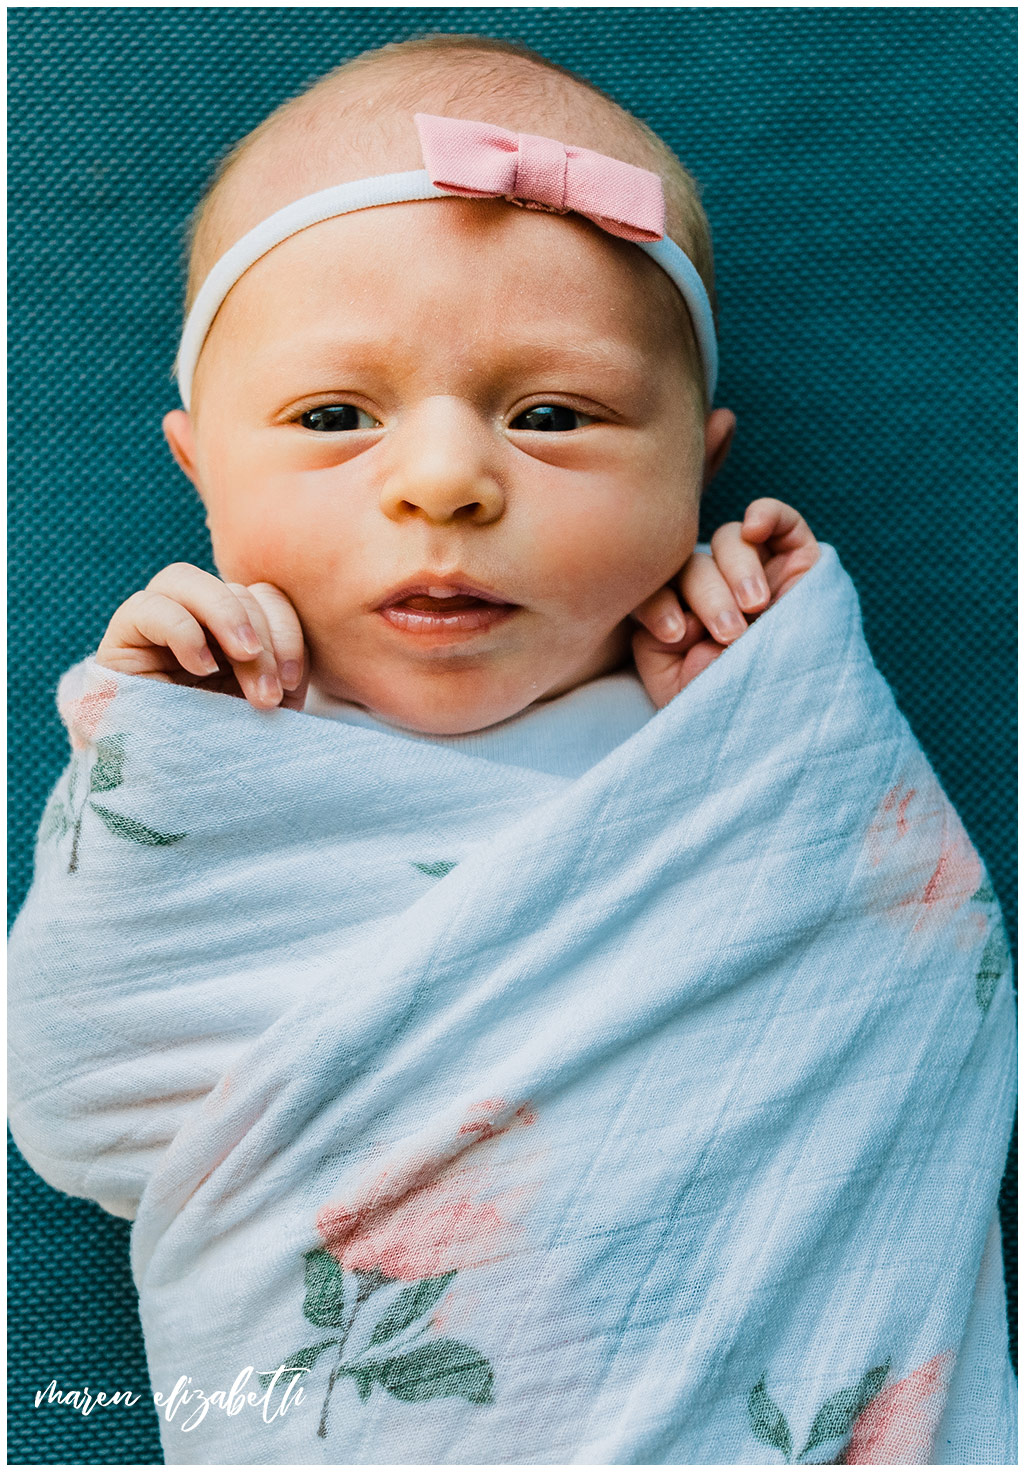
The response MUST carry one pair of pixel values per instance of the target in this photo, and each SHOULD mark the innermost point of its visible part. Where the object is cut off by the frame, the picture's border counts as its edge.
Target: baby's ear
(178, 433)
(719, 428)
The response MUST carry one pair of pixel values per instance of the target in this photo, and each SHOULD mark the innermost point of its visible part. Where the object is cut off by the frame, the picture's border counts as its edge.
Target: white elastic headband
(361, 194)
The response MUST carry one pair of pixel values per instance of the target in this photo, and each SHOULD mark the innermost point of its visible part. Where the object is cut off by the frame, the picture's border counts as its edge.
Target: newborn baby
(640, 1096)
(451, 452)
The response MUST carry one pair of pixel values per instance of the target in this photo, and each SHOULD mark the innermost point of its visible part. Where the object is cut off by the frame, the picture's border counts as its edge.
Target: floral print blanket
(470, 1114)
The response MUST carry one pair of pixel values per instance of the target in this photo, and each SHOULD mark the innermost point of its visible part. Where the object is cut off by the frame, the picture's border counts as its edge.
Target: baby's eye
(551, 417)
(335, 417)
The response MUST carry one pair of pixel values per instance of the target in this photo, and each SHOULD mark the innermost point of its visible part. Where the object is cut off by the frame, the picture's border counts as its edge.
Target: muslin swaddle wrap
(655, 1115)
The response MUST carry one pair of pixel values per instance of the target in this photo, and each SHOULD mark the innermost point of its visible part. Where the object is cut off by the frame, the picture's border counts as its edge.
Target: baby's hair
(469, 76)
(687, 223)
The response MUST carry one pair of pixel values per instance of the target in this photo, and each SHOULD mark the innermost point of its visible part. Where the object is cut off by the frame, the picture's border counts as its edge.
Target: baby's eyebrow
(605, 356)
(608, 356)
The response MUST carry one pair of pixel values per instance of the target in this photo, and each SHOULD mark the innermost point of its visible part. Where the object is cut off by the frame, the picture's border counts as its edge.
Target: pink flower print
(82, 714)
(429, 1232)
(897, 1427)
(482, 1119)
(422, 1218)
(928, 866)
(216, 1099)
(391, 1252)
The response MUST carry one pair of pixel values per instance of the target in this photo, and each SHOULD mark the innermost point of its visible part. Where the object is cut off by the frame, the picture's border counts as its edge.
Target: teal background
(858, 167)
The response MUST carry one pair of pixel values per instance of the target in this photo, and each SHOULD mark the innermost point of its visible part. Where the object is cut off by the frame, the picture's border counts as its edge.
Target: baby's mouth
(456, 610)
(446, 603)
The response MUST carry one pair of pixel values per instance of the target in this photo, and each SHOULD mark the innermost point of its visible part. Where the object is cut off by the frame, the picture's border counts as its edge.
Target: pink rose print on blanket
(387, 1261)
(897, 1427)
(82, 714)
(919, 844)
(431, 1233)
(433, 1219)
(931, 878)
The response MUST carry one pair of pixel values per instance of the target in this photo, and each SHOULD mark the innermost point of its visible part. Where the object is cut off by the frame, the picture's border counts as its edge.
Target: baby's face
(407, 407)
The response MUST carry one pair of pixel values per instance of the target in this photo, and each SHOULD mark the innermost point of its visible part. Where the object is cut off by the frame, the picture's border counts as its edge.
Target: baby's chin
(460, 700)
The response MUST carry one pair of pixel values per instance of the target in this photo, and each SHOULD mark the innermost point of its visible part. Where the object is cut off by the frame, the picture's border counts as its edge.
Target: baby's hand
(752, 563)
(187, 627)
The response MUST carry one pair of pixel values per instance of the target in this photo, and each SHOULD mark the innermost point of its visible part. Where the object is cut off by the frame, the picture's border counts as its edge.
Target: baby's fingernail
(671, 627)
(206, 658)
(268, 687)
(291, 672)
(753, 590)
(249, 639)
(727, 625)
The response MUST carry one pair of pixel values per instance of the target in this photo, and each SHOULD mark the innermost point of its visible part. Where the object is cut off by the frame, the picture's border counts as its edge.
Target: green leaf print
(126, 827)
(995, 959)
(767, 1421)
(995, 962)
(108, 768)
(302, 1359)
(363, 1378)
(370, 1280)
(839, 1412)
(105, 775)
(55, 820)
(438, 869)
(444, 1367)
(410, 1305)
(74, 772)
(413, 1367)
(324, 1303)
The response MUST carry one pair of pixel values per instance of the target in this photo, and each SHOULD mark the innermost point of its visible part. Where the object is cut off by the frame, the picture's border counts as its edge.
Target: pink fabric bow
(480, 160)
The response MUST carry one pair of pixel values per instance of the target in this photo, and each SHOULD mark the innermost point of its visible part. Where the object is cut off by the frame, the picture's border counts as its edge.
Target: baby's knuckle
(178, 617)
(150, 598)
(173, 570)
(271, 590)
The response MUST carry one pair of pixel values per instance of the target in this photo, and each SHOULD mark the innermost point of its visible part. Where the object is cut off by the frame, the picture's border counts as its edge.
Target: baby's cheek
(614, 562)
(281, 544)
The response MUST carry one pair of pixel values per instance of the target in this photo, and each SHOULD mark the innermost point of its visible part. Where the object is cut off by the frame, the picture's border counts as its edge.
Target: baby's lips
(427, 585)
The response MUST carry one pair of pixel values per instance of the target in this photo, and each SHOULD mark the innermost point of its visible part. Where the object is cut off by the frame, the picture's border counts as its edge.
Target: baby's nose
(441, 467)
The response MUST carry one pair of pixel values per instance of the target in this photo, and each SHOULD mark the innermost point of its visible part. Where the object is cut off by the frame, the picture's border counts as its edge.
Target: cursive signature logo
(188, 1404)
(84, 1400)
(281, 1391)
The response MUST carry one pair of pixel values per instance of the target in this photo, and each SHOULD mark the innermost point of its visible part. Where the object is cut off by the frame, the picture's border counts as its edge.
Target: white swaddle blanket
(651, 1115)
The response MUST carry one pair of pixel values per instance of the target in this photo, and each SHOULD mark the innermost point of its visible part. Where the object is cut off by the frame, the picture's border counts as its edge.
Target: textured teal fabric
(858, 168)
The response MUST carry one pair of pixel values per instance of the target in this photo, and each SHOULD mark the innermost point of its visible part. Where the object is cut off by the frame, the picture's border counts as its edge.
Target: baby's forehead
(472, 263)
(359, 130)
(357, 133)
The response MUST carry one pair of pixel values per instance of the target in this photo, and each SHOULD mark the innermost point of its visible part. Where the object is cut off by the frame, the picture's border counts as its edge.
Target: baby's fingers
(213, 603)
(287, 642)
(740, 565)
(230, 614)
(663, 617)
(663, 670)
(160, 623)
(769, 520)
(709, 595)
(258, 678)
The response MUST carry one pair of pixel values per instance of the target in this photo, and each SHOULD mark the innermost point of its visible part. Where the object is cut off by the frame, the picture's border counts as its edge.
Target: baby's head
(448, 394)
